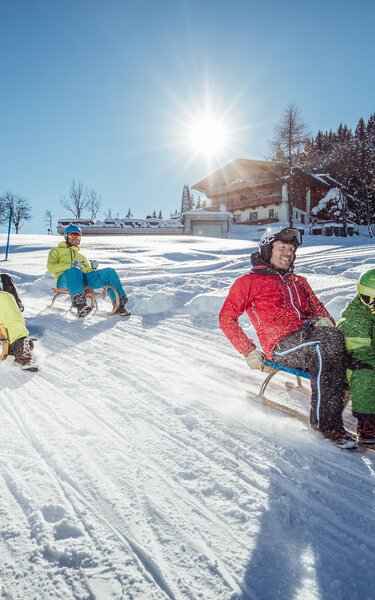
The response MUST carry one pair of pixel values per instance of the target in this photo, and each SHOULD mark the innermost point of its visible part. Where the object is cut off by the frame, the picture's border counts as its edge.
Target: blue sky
(102, 91)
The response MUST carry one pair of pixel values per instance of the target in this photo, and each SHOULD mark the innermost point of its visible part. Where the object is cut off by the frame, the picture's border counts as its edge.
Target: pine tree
(185, 200)
(363, 171)
(160, 215)
(129, 214)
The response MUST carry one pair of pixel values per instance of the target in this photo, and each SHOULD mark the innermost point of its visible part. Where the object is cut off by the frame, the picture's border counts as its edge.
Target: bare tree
(290, 138)
(94, 203)
(48, 216)
(77, 200)
(109, 215)
(18, 206)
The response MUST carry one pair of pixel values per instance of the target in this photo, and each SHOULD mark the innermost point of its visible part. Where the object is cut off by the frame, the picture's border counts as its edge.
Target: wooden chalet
(254, 192)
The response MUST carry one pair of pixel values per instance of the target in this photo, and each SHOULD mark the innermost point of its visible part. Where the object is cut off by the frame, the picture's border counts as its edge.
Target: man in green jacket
(358, 326)
(73, 272)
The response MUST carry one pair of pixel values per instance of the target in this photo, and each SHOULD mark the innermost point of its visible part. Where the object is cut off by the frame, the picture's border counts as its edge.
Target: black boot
(21, 349)
(83, 309)
(121, 310)
(366, 428)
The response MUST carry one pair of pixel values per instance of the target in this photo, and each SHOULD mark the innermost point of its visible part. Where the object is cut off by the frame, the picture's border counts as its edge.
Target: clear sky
(112, 92)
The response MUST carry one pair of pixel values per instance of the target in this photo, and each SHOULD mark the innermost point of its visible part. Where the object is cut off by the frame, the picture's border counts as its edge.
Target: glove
(323, 322)
(255, 361)
(77, 264)
(94, 264)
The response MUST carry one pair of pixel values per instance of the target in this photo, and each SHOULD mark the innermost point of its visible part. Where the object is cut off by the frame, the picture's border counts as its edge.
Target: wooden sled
(91, 295)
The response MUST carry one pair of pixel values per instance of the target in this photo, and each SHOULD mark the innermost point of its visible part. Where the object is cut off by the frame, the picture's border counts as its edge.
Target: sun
(207, 135)
(203, 129)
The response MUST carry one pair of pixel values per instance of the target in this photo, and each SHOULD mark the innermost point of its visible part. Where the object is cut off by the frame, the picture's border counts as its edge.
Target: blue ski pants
(74, 280)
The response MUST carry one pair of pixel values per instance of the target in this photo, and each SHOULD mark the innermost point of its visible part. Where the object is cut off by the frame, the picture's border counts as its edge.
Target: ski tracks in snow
(134, 468)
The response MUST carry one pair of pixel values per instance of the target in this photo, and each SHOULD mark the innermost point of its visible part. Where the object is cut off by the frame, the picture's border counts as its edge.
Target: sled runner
(4, 344)
(91, 295)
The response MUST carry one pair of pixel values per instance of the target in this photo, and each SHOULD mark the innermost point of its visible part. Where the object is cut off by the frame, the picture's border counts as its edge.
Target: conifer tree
(363, 168)
(186, 203)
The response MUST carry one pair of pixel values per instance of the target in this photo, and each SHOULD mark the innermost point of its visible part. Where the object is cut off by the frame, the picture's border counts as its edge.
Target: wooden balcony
(260, 221)
(245, 203)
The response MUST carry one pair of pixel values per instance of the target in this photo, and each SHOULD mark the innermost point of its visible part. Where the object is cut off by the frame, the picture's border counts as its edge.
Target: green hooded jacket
(63, 256)
(358, 326)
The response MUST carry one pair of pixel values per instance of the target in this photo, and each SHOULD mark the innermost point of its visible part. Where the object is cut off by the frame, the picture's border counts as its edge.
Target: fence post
(9, 225)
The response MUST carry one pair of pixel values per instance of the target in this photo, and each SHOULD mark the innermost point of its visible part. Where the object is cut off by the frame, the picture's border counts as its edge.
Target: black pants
(321, 352)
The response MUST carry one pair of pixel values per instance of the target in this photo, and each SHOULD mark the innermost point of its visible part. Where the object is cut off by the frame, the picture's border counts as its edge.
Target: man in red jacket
(293, 328)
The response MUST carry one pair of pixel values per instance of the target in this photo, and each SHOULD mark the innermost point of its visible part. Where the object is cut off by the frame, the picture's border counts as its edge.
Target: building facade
(253, 192)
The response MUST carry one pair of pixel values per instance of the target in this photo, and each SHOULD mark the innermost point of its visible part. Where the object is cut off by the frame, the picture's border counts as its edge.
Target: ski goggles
(289, 236)
(74, 235)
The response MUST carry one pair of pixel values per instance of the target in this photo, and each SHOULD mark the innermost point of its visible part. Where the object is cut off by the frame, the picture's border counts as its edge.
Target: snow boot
(121, 310)
(21, 349)
(366, 429)
(83, 309)
(341, 439)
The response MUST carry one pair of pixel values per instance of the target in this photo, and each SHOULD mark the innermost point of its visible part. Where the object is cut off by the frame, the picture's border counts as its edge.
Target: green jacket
(62, 257)
(358, 326)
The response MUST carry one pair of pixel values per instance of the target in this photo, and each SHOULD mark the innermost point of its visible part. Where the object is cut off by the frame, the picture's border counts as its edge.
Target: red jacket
(276, 305)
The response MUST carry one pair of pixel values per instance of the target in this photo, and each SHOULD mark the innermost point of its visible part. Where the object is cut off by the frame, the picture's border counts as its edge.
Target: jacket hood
(262, 267)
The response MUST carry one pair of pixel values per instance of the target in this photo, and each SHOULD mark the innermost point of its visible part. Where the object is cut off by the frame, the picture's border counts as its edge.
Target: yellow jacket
(11, 318)
(63, 256)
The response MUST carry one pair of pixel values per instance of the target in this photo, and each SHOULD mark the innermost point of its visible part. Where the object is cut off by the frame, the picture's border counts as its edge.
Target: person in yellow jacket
(15, 334)
(73, 272)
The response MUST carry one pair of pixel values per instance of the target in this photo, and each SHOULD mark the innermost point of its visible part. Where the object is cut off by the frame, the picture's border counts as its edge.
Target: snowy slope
(133, 466)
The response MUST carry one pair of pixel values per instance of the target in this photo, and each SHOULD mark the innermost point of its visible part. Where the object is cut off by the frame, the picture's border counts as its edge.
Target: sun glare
(208, 136)
(204, 131)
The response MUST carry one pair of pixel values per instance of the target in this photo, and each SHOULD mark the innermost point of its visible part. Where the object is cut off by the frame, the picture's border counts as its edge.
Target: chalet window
(296, 214)
(253, 216)
(302, 218)
(271, 213)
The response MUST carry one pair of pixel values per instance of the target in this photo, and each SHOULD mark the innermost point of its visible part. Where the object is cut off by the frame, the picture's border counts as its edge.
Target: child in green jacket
(358, 326)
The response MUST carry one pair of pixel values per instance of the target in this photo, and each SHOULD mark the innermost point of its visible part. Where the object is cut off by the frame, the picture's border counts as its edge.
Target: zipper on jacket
(291, 297)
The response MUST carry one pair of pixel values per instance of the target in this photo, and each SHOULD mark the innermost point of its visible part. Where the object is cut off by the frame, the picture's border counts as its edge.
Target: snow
(134, 467)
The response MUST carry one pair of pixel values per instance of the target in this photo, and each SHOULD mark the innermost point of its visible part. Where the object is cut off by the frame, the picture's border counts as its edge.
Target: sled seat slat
(278, 367)
(89, 291)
